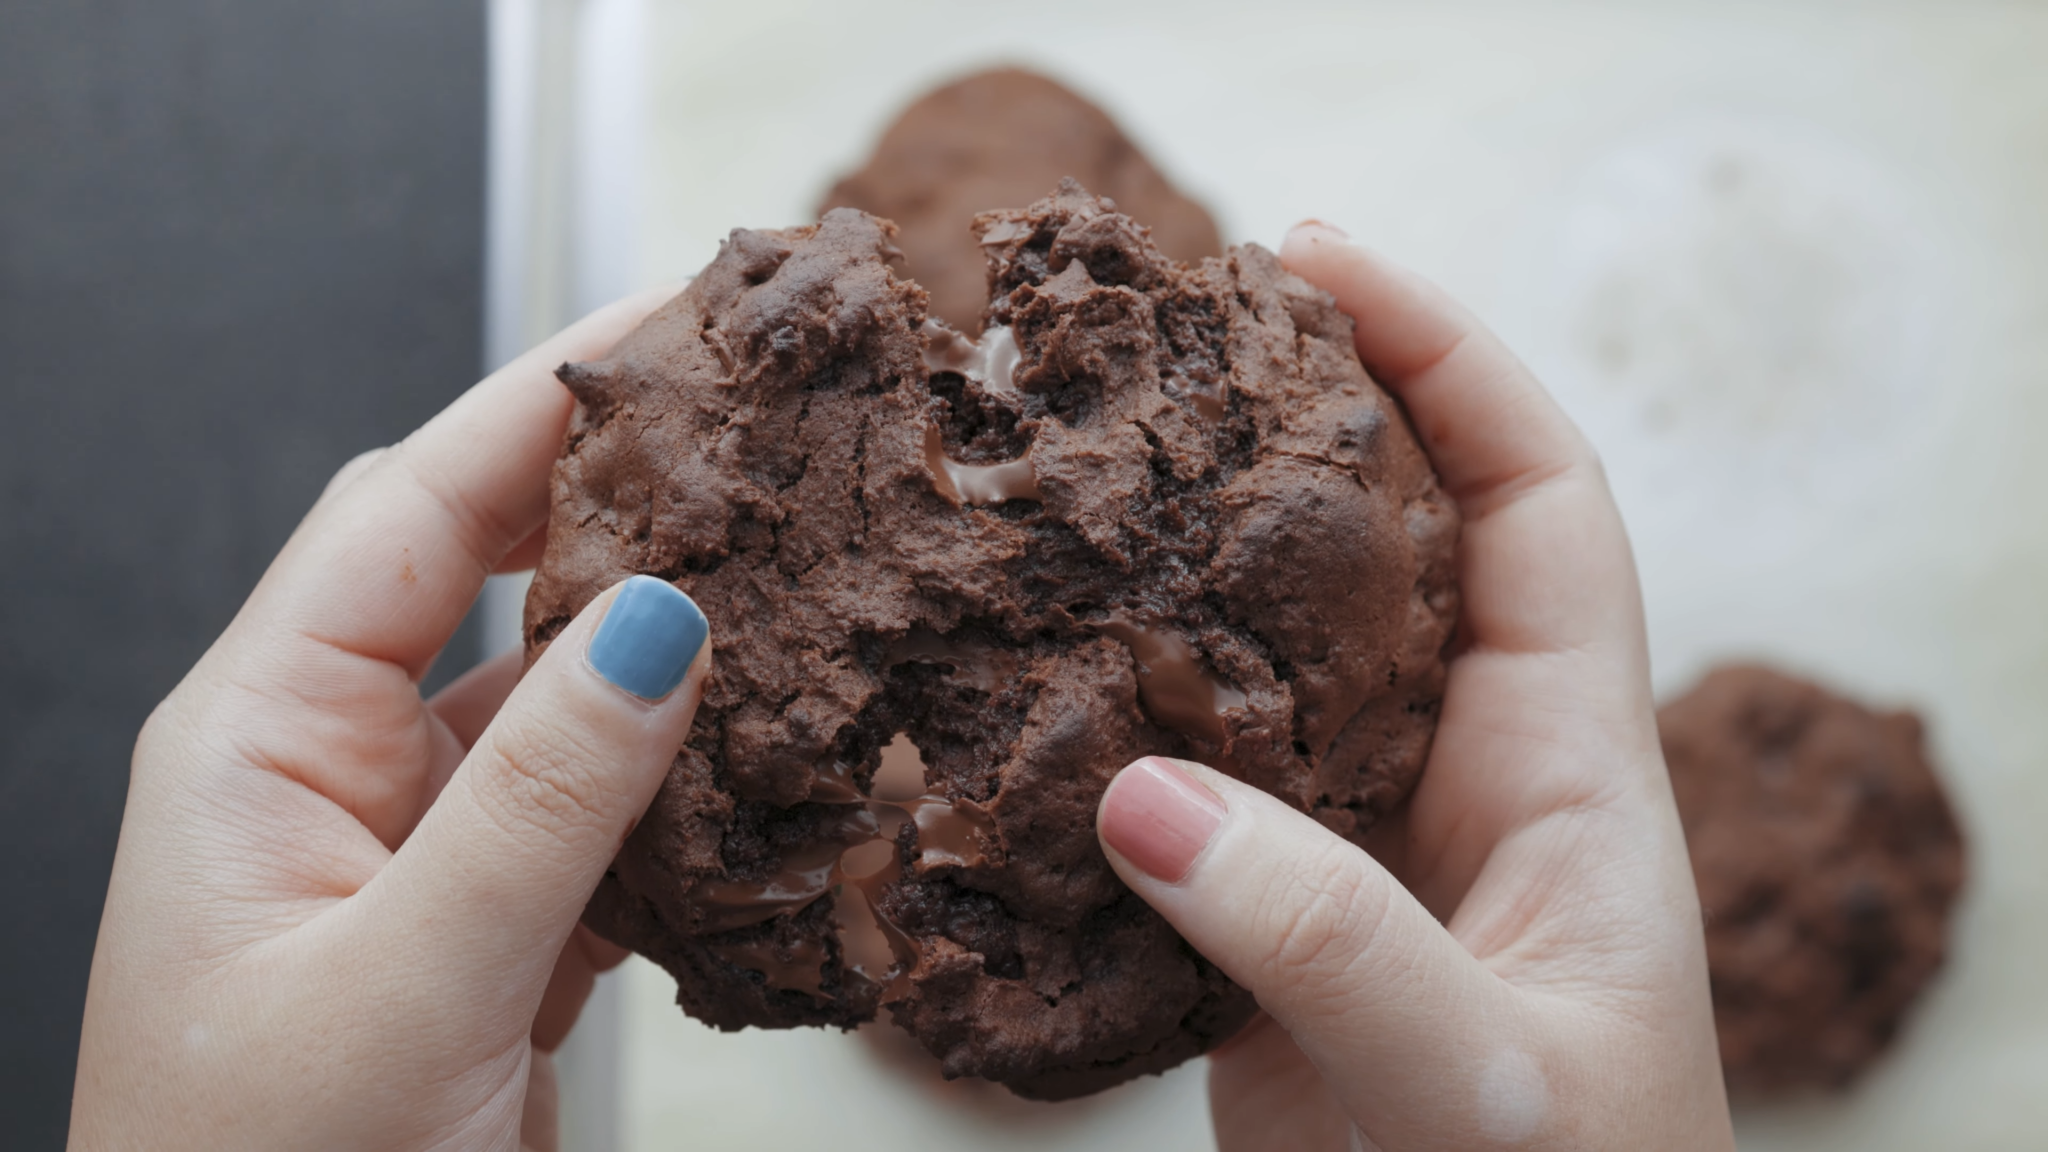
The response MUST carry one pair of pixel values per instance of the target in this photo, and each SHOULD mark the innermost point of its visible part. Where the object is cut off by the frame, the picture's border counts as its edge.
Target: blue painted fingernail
(649, 637)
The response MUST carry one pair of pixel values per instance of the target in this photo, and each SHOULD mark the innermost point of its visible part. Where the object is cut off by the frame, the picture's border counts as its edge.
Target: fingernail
(1159, 818)
(648, 638)
(1325, 225)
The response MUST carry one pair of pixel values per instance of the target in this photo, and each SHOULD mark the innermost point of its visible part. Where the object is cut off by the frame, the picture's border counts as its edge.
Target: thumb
(1410, 1032)
(503, 863)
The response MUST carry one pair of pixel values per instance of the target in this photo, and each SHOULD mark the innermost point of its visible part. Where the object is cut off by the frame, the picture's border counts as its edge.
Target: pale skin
(1520, 963)
(344, 916)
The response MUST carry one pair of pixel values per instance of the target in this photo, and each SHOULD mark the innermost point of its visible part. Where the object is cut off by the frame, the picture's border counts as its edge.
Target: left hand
(342, 916)
(1520, 964)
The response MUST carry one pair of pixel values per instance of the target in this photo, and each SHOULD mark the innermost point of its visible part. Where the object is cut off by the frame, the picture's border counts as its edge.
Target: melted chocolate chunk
(990, 361)
(855, 856)
(1172, 683)
(973, 485)
(799, 878)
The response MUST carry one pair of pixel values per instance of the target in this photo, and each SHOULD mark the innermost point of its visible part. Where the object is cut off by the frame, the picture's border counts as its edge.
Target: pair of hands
(344, 916)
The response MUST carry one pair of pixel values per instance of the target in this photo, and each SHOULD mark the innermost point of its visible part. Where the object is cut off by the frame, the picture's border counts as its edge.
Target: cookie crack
(1325, 462)
(860, 478)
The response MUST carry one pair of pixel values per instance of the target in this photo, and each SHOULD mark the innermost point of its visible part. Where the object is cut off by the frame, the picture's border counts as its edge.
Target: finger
(602, 953)
(1545, 564)
(504, 862)
(1400, 1020)
(468, 704)
(525, 555)
(349, 473)
(1487, 424)
(540, 1121)
(1547, 709)
(387, 568)
(583, 958)
(1264, 1096)
(377, 578)
(458, 714)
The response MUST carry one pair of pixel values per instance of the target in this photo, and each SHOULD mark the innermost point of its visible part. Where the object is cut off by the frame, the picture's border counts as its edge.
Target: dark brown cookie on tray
(1156, 509)
(1003, 137)
(1828, 860)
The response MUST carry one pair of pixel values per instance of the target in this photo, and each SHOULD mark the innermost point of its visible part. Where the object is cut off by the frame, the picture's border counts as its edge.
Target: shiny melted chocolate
(1172, 684)
(973, 485)
(990, 361)
(804, 875)
(950, 831)
(1209, 397)
(855, 860)
(868, 943)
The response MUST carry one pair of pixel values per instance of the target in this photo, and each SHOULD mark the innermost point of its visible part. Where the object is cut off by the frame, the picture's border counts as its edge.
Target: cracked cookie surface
(1156, 509)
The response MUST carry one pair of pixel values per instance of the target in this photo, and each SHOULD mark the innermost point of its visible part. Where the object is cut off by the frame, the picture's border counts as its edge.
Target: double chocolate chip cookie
(1827, 859)
(1154, 509)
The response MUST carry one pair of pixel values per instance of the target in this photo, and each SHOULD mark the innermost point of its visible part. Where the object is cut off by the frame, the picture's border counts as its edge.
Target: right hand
(346, 916)
(1526, 969)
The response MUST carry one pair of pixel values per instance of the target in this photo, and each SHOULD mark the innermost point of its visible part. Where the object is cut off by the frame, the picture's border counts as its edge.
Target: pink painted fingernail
(1159, 818)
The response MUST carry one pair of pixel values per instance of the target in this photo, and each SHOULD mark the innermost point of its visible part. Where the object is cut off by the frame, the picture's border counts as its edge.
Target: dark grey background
(240, 241)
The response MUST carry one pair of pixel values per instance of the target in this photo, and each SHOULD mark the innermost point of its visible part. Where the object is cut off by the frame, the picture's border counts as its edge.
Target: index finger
(379, 575)
(387, 567)
(1548, 711)
(1546, 565)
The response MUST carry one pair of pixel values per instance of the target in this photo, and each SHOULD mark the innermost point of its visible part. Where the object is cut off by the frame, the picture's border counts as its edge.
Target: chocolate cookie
(1156, 509)
(1004, 137)
(1827, 860)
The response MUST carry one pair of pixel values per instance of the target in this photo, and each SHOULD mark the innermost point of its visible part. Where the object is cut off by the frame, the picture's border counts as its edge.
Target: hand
(345, 917)
(1526, 968)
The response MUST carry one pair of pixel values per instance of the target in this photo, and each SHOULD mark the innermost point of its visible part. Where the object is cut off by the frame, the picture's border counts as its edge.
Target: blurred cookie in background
(1001, 139)
(1828, 860)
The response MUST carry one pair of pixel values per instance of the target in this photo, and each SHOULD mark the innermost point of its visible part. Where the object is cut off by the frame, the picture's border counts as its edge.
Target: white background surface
(1788, 264)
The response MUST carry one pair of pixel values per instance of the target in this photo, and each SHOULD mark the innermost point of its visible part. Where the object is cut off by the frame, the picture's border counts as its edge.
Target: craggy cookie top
(1827, 860)
(1004, 136)
(1156, 509)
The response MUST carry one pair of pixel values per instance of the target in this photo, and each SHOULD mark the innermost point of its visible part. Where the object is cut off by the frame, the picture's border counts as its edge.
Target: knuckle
(482, 529)
(349, 472)
(547, 779)
(155, 732)
(358, 462)
(1322, 919)
(176, 730)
